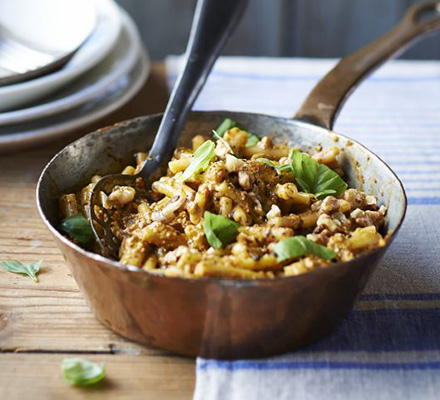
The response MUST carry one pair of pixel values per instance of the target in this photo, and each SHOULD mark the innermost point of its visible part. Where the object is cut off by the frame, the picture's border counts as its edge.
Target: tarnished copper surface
(223, 318)
(214, 317)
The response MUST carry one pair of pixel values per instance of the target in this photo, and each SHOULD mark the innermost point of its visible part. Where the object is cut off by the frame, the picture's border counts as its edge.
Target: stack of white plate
(106, 72)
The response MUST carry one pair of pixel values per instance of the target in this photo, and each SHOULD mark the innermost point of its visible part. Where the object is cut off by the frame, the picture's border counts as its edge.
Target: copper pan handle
(323, 104)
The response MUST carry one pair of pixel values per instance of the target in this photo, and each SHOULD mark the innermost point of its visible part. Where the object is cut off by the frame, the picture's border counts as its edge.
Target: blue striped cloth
(389, 346)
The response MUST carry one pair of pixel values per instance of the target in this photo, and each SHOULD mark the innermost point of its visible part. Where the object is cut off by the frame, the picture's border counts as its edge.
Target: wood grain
(42, 323)
(38, 377)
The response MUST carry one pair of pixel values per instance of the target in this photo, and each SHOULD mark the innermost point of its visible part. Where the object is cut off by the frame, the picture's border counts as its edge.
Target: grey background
(282, 28)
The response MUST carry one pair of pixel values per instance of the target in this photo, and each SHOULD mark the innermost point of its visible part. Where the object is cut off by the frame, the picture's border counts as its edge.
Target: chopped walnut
(321, 238)
(367, 218)
(244, 179)
(331, 204)
(356, 198)
(233, 164)
(273, 212)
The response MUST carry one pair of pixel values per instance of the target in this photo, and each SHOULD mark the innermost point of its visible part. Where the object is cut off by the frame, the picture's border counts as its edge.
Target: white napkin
(389, 346)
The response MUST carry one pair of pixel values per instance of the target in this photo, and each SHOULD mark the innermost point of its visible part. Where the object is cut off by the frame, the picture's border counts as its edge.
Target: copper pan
(223, 318)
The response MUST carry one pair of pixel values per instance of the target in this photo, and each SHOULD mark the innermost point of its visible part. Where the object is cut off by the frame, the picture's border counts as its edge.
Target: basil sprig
(225, 126)
(316, 178)
(16, 267)
(310, 176)
(298, 246)
(78, 228)
(78, 371)
(270, 163)
(252, 139)
(229, 123)
(219, 230)
(201, 159)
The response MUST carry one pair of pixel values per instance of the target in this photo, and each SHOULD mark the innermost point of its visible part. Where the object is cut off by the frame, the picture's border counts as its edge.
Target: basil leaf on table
(82, 372)
(313, 177)
(78, 228)
(228, 123)
(16, 267)
(298, 246)
(219, 230)
(201, 159)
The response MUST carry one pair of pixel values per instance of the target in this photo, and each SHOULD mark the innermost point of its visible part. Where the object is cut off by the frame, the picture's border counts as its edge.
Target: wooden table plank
(40, 324)
(31, 376)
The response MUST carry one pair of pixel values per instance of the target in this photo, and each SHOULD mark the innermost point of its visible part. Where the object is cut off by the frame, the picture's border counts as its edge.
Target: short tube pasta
(239, 213)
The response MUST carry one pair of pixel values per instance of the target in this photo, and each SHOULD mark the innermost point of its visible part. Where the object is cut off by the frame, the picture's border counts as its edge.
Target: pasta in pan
(238, 206)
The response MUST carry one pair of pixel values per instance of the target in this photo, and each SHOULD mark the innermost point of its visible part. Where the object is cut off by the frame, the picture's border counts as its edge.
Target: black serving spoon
(213, 23)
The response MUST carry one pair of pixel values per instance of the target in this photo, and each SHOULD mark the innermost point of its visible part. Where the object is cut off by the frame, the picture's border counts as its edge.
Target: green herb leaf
(78, 228)
(228, 123)
(225, 126)
(298, 246)
(316, 178)
(252, 139)
(201, 159)
(328, 181)
(16, 267)
(219, 230)
(278, 168)
(81, 372)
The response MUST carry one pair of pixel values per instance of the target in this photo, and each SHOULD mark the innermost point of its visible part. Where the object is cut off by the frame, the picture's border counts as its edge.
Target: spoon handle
(213, 23)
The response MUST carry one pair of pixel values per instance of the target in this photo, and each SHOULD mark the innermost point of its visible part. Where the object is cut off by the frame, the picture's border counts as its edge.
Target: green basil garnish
(278, 168)
(219, 230)
(201, 159)
(252, 139)
(228, 123)
(16, 267)
(82, 372)
(298, 246)
(225, 126)
(78, 228)
(316, 178)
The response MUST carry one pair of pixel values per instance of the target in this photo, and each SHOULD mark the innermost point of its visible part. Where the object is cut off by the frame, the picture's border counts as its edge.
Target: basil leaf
(16, 267)
(78, 228)
(228, 123)
(316, 178)
(298, 246)
(270, 163)
(219, 230)
(252, 139)
(82, 372)
(225, 126)
(328, 180)
(201, 159)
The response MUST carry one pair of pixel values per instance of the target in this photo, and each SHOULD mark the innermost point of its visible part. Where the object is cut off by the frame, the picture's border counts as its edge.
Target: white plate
(95, 48)
(118, 63)
(34, 133)
(48, 30)
(35, 22)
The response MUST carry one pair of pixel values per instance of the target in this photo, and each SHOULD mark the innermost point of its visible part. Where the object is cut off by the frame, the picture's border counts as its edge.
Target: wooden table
(43, 323)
